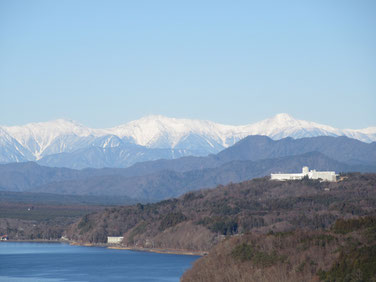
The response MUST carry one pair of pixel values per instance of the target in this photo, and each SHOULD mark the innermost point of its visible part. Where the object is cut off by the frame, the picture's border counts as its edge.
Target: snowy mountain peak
(38, 136)
(280, 120)
(283, 117)
(58, 126)
(152, 131)
(168, 122)
(191, 136)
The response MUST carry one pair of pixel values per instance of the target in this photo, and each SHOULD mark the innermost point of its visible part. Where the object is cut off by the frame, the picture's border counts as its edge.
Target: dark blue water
(45, 262)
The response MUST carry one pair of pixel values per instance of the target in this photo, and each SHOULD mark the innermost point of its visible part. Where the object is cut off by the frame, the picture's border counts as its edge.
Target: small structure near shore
(4, 238)
(330, 176)
(114, 239)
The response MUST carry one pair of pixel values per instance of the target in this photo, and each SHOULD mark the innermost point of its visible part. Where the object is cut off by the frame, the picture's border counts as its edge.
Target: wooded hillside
(198, 220)
(346, 252)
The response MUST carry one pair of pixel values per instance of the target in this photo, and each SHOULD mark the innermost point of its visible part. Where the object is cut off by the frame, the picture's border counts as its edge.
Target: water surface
(45, 262)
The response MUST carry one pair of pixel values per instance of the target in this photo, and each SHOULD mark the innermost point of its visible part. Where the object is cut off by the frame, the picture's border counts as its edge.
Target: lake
(53, 262)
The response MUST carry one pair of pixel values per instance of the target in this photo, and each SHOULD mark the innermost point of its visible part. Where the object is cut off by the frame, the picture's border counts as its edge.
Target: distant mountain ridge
(166, 184)
(253, 156)
(65, 143)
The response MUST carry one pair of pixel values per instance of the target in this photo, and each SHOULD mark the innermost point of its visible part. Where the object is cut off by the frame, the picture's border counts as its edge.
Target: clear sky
(104, 63)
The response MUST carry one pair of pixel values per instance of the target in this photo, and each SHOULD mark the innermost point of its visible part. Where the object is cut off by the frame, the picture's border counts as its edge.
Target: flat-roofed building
(311, 174)
(114, 239)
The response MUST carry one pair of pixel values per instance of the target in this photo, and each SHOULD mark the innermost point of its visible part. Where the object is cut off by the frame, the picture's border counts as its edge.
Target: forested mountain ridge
(198, 220)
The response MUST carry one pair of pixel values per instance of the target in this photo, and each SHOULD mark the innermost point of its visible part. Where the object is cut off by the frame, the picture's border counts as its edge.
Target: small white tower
(305, 170)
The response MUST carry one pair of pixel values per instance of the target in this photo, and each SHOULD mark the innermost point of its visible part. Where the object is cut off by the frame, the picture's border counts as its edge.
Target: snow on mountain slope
(58, 134)
(367, 135)
(284, 125)
(34, 141)
(159, 131)
(11, 150)
(163, 132)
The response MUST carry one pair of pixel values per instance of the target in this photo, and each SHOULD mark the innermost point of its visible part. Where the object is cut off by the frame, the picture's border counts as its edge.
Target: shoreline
(159, 251)
(116, 247)
(33, 241)
(140, 249)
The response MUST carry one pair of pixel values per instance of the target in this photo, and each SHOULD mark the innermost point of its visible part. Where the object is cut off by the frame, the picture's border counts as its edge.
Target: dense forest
(36, 221)
(346, 252)
(198, 220)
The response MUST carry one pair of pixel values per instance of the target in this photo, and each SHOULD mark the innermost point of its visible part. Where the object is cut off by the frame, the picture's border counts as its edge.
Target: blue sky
(104, 63)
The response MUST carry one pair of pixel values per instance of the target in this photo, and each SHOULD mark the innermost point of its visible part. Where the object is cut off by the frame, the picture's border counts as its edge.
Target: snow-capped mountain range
(68, 143)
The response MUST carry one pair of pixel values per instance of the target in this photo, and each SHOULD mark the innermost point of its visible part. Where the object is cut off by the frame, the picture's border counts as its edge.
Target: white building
(312, 174)
(114, 240)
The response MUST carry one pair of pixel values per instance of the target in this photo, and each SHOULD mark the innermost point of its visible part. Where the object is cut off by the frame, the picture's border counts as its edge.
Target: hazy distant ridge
(254, 156)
